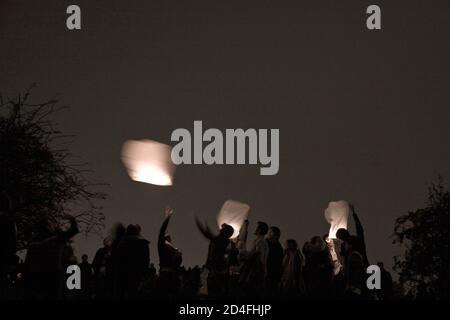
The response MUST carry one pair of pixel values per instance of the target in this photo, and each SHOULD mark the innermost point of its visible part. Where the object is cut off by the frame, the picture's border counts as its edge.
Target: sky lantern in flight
(148, 161)
(336, 215)
(233, 213)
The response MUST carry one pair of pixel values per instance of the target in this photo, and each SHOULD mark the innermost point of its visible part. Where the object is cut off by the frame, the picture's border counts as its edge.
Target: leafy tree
(39, 174)
(425, 234)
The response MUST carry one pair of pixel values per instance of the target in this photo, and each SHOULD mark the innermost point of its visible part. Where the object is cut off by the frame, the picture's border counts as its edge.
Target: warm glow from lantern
(336, 215)
(233, 213)
(148, 161)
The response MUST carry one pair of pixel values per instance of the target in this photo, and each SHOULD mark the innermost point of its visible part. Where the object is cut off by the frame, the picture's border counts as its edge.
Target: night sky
(363, 115)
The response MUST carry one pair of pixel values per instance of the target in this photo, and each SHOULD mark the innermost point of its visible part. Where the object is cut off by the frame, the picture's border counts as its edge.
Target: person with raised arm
(216, 262)
(353, 242)
(170, 259)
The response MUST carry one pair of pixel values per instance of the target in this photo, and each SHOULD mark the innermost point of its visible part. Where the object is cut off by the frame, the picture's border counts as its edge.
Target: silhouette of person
(100, 258)
(86, 276)
(260, 246)
(274, 261)
(351, 242)
(133, 259)
(45, 260)
(191, 283)
(292, 284)
(170, 259)
(99, 266)
(216, 262)
(112, 263)
(253, 271)
(233, 256)
(318, 271)
(356, 277)
(386, 291)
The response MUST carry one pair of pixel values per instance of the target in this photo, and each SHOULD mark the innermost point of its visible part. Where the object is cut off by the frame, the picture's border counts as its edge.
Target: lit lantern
(148, 161)
(233, 213)
(337, 216)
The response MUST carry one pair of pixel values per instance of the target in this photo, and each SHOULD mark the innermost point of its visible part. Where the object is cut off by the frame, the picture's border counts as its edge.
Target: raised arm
(204, 229)
(360, 235)
(165, 224)
(242, 237)
(358, 225)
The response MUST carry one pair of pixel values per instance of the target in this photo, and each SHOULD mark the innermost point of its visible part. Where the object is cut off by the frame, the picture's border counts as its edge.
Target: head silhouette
(342, 234)
(226, 230)
(274, 233)
(107, 242)
(117, 232)
(261, 229)
(291, 244)
(133, 230)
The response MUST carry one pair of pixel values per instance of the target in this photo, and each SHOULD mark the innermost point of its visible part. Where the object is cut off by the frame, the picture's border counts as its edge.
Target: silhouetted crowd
(322, 269)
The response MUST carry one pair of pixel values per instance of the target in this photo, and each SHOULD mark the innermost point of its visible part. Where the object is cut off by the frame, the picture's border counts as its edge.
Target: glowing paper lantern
(337, 216)
(233, 213)
(148, 161)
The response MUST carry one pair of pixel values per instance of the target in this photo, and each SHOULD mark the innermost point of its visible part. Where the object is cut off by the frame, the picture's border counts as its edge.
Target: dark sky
(363, 116)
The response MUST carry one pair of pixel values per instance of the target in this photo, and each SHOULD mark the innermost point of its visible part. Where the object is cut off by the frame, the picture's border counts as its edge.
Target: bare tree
(38, 172)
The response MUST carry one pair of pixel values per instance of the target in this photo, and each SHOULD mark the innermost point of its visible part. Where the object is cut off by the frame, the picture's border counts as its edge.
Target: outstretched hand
(168, 211)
